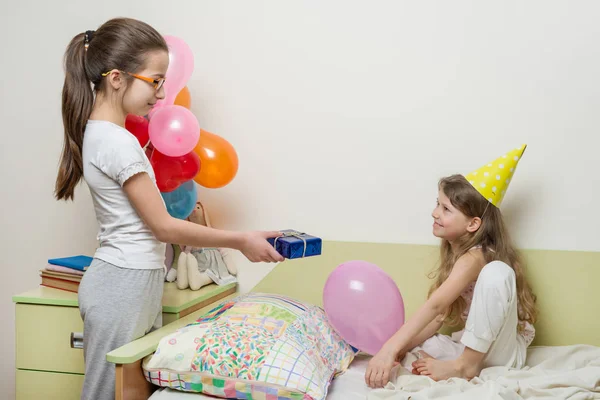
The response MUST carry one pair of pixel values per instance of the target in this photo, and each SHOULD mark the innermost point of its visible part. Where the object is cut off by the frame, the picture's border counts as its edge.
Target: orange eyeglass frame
(157, 83)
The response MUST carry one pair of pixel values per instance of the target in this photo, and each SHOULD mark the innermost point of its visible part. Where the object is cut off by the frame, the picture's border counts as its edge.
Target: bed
(568, 331)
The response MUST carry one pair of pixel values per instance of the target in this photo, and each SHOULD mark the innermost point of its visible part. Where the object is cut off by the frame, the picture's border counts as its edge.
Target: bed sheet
(551, 372)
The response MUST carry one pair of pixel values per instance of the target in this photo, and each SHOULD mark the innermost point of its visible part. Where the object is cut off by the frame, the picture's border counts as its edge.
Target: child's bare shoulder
(474, 258)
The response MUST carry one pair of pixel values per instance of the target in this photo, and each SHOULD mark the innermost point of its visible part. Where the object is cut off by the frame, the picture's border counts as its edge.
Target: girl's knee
(496, 273)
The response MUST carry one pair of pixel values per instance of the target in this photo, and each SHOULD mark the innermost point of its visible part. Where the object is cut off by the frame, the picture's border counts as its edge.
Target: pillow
(257, 346)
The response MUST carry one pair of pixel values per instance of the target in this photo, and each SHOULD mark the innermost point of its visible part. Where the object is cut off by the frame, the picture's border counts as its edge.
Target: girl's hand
(378, 370)
(256, 248)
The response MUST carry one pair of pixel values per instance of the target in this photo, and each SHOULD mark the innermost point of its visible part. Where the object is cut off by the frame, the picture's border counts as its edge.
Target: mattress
(348, 386)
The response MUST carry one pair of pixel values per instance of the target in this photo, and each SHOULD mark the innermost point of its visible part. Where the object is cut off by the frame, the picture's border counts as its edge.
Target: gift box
(294, 244)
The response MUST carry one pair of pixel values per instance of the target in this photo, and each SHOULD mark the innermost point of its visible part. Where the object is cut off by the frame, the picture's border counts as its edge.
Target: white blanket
(557, 372)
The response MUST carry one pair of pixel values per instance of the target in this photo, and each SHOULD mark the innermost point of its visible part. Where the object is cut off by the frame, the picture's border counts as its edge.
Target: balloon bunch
(179, 151)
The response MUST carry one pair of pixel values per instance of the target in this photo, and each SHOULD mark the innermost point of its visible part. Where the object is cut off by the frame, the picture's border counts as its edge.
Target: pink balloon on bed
(363, 304)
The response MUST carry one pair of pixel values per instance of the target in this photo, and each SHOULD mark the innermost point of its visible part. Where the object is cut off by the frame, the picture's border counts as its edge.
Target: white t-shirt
(112, 155)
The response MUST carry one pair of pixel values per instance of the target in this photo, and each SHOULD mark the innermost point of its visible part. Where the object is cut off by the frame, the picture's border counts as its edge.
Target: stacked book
(65, 273)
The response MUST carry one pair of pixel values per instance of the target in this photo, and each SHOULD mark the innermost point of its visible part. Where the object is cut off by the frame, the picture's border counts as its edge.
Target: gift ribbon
(295, 234)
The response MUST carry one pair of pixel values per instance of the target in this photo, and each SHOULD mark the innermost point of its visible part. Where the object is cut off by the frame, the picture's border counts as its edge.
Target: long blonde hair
(495, 244)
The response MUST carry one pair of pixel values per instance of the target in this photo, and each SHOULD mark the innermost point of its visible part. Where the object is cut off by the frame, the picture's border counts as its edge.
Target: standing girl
(480, 283)
(114, 71)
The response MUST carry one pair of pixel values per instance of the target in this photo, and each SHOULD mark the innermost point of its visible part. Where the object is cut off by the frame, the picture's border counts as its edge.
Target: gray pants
(117, 305)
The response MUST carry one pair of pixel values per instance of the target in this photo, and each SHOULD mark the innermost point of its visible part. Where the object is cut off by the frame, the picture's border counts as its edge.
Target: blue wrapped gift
(294, 244)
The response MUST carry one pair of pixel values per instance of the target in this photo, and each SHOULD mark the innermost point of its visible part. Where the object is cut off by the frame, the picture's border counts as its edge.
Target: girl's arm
(465, 271)
(146, 199)
(425, 334)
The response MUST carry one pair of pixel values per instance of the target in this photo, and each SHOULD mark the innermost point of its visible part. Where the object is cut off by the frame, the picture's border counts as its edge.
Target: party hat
(492, 180)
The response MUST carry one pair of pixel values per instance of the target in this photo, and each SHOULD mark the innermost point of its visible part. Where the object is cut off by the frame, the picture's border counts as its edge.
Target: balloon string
(296, 235)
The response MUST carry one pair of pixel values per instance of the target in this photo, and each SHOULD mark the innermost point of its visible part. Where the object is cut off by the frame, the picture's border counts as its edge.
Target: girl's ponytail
(77, 102)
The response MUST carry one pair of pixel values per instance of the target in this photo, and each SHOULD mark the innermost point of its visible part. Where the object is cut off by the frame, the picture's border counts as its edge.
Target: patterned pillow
(257, 346)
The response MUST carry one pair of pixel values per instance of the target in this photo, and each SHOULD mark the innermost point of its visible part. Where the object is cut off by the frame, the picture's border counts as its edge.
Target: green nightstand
(49, 355)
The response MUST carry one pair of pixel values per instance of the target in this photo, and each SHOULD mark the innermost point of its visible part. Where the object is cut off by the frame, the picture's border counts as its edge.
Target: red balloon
(171, 172)
(149, 150)
(138, 126)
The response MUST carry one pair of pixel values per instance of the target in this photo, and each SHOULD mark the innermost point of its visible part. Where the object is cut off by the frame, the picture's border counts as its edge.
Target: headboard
(566, 283)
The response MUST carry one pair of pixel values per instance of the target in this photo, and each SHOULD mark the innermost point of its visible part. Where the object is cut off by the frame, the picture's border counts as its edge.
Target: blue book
(80, 263)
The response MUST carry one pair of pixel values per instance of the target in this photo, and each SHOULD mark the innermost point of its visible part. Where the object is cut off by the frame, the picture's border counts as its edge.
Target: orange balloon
(184, 98)
(218, 161)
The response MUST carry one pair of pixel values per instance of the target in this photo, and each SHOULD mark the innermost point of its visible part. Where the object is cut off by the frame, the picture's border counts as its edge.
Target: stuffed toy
(169, 257)
(198, 267)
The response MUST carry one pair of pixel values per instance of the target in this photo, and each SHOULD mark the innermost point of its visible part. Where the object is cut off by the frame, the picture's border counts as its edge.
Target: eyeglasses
(157, 83)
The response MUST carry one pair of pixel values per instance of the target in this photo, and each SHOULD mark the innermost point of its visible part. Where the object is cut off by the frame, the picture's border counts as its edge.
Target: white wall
(344, 115)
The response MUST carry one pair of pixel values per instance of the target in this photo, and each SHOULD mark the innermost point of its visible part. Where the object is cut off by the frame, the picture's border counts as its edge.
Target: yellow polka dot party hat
(492, 180)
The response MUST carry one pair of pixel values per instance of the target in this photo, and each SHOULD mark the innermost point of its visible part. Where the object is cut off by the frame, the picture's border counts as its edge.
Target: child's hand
(256, 248)
(378, 370)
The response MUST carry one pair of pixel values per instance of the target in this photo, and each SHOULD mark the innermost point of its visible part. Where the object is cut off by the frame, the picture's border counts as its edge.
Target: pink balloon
(181, 66)
(363, 304)
(174, 130)
(154, 109)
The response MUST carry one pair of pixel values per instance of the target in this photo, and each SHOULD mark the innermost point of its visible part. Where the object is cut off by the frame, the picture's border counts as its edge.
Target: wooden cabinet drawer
(43, 338)
(36, 385)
